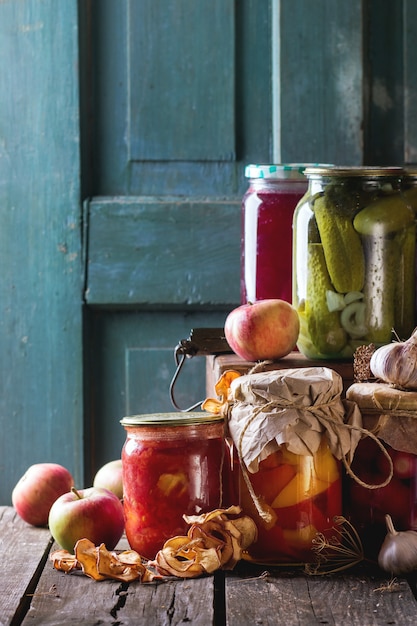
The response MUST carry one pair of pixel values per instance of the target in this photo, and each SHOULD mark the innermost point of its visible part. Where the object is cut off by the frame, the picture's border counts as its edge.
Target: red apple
(266, 329)
(37, 490)
(109, 476)
(95, 513)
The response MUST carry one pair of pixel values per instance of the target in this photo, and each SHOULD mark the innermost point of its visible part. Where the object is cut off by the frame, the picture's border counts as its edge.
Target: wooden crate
(217, 364)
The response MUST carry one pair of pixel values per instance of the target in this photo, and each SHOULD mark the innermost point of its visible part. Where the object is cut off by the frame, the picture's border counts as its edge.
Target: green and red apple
(94, 513)
(110, 477)
(263, 330)
(37, 490)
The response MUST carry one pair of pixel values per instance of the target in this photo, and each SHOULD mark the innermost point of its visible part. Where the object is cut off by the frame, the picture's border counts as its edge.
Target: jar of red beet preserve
(173, 464)
(267, 215)
(390, 414)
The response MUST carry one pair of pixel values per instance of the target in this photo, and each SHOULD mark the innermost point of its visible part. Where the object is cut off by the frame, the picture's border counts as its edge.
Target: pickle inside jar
(363, 283)
(383, 226)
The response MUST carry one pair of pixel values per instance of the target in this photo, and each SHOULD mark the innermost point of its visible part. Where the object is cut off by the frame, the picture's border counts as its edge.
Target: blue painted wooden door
(183, 95)
(41, 277)
(180, 103)
(125, 128)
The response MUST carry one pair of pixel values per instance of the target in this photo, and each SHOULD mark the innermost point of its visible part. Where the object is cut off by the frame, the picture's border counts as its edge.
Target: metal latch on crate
(201, 342)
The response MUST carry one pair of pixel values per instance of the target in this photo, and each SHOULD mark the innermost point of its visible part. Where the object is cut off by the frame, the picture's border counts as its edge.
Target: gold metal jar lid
(171, 419)
(354, 171)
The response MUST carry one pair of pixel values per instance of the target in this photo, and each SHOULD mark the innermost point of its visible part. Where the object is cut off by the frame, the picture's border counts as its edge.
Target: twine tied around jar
(264, 410)
(389, 412)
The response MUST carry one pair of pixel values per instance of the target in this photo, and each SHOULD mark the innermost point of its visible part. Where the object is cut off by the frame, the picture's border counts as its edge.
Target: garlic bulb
(398, 553)
(396, 363)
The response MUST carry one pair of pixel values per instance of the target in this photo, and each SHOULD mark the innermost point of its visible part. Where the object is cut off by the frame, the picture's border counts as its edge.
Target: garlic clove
(398, 553)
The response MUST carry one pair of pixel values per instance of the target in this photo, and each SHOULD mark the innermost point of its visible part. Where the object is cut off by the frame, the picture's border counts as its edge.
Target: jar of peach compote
(289, 436)
(173, 465)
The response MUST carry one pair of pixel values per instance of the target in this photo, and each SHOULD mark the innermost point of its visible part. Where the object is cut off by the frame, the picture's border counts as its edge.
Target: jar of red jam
(388, 413)
(173, 465)
(267, 214)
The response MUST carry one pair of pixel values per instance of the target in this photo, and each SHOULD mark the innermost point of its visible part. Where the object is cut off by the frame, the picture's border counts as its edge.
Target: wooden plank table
(32, 592)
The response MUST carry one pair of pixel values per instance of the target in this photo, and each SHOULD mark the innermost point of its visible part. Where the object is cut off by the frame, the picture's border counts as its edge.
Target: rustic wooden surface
(292, 598)
(74, 599)
(33, 592)
(23, 551)
(216, 365)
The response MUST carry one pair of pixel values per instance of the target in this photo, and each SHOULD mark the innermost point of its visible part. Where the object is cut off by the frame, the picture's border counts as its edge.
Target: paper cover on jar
(389, 413)
(293, 407)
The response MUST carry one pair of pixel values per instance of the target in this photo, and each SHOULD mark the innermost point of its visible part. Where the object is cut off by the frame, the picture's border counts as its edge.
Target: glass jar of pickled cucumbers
(353, 260)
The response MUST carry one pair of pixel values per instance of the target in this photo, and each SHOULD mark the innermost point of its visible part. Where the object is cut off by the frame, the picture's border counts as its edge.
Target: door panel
(181, 103)
(184, 95)
(130, 369)
(181, 87)
(217, 107)
(41, 404)
(150, 251)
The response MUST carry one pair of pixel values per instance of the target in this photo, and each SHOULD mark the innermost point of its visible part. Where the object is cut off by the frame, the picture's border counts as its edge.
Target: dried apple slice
(110, 565)
(222, 387)
(186, 558)
(64, 561)
(247, 529)
(223, 384)
(205, 517)
(86, 554)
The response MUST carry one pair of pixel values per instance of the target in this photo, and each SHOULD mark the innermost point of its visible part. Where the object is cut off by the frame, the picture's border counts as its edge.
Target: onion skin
(396, 363)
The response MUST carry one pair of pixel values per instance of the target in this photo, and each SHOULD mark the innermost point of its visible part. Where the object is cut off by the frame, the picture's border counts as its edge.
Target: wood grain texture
(291, 598)
(132, 359)
(322, 81)
(32, 592)
(23, 549)
(171, 252)
(410, 82)
(225, 75)
(181, 96)
(40, 242)
(218, 364)
(76, 599)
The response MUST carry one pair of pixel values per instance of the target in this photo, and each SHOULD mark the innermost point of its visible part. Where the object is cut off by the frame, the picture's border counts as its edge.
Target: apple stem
(77, 493)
